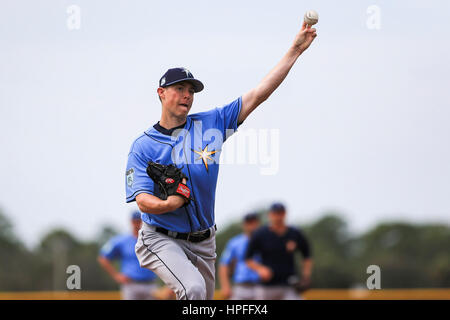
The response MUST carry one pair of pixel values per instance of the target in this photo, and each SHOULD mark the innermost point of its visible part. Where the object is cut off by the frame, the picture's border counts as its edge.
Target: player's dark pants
(185, 267)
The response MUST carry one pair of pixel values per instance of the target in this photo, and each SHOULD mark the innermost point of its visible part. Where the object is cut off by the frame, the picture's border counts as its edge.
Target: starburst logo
(205, 155)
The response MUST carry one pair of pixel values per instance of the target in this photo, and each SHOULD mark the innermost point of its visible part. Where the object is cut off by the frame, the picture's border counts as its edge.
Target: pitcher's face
(177, 99)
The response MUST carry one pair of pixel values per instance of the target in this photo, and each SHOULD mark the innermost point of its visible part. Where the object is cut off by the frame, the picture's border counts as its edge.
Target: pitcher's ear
(160, 91)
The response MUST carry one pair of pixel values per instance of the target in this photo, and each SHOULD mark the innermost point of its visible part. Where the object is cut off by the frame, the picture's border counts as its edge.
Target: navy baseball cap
(176, 75)
(277, 207)
(251, 217)
(135, 215)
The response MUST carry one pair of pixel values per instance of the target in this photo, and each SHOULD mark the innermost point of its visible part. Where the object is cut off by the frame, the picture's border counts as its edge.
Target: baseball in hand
(311, 17)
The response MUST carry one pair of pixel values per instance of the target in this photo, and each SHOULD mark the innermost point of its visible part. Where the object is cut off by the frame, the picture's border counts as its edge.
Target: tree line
(409, 255)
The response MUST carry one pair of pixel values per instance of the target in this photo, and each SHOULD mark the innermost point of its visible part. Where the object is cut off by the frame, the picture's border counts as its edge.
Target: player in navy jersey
(276, 244)
(245, 280)
(177, 239)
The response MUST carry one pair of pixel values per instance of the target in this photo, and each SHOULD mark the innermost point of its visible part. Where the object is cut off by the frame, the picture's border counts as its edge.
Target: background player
(233, 262)
(177, 239)
(136, 283)
(276, 245)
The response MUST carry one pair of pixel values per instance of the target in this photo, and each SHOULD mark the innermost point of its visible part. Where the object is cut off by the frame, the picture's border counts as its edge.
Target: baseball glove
(169, 179)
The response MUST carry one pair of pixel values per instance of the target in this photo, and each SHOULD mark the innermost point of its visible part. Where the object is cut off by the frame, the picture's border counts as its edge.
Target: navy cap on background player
(176, 75)
(277, 207)
(251, 217)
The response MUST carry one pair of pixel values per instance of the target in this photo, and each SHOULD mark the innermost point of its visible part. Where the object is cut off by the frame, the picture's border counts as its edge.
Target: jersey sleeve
(228, 254)
(136, 178)
(228, 117)
(303, 244)
(254, 246)
(111, 249)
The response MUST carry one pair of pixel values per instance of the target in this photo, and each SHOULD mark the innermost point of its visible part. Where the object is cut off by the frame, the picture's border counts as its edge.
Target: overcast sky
(362, 118)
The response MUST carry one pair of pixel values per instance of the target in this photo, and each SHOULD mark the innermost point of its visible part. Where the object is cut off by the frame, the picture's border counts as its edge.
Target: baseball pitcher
(172, 174)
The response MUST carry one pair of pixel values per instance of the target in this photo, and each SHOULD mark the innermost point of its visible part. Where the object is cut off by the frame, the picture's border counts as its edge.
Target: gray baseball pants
(185, 267)
(277, 293)
(245, 291)
(138, 291)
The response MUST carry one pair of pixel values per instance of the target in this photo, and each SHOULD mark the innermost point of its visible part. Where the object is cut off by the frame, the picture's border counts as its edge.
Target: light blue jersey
(195, 147)
(235, 251)
(122, 248)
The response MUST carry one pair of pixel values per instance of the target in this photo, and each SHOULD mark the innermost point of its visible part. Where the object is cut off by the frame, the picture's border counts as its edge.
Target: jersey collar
(165, 131)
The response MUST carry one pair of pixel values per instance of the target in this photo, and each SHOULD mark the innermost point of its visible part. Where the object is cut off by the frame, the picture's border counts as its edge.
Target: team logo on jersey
(130, 177)
(205, 155)
(291, 245)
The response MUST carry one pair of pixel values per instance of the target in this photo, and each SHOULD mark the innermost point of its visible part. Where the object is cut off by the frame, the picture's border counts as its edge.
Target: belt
(197, 236)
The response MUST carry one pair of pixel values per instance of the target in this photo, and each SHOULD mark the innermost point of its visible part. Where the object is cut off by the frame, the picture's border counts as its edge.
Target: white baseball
(311, 17)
